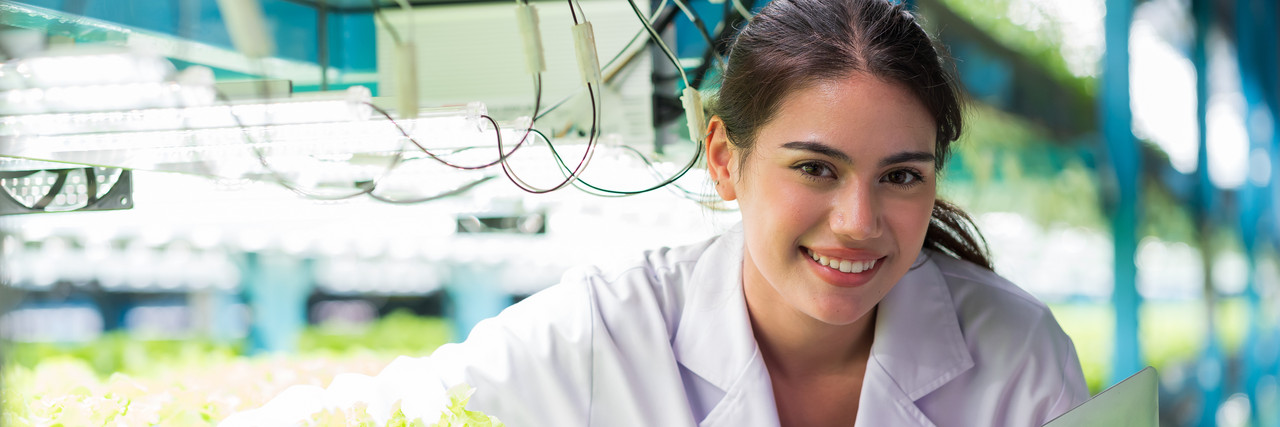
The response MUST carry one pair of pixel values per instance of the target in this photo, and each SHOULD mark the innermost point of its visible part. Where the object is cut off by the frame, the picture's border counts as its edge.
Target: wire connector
(584, 43)
(692, 101)
(527, 22)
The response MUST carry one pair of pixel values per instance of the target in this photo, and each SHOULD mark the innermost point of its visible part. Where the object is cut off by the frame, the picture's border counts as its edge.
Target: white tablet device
(1131, 403)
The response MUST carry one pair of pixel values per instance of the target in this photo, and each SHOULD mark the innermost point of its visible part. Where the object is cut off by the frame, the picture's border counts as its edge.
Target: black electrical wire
(586, 156)
(669, 181)
(365, 188)
(590, 142)
(664, 15)
(574, 176)
(572, 13)
(720, 46)
(653, 34)
(616, 193)
(591, 138)
(502, 156)
(368, 187)
(454, 192)
(497, 130)
(702, 29)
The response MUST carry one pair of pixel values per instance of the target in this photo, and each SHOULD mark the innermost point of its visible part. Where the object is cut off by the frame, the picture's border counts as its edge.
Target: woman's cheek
(911, 214)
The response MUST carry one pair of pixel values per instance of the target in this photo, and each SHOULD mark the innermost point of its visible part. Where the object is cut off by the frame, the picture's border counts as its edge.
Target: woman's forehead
(858, 110)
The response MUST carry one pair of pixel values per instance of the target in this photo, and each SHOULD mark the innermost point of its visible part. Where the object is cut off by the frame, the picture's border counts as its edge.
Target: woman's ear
(722, 159)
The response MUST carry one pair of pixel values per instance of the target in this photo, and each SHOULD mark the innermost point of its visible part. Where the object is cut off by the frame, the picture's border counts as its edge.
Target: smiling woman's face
(835, 196)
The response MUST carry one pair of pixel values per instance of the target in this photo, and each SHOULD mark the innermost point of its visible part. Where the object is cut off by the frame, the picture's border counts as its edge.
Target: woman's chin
(840, 313)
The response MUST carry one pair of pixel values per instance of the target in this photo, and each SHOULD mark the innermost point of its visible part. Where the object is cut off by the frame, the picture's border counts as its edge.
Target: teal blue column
(216, 315)
(1267, 65)
(1210, 371)
(1126, 163)
(475, 295)
(1251, 43)
(277, 287)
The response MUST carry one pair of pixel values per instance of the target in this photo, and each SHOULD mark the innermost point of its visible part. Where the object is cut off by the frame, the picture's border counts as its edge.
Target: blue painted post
(1126, 163)
(1268, 50)
(475, 295)
(1253, 197)
(277, 287)
(214, 314)
(1211, 368)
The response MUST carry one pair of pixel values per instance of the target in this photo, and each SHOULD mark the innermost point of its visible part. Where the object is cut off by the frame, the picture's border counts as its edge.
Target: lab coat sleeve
(1049, 381)
(529, 365)
(1074, 389)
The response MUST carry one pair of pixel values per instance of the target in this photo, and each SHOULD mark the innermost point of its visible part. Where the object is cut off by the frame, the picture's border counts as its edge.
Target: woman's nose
(856, 214)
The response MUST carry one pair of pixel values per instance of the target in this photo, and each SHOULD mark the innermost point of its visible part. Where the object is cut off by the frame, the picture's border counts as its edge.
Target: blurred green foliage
(121, 379)
(120, 352)
(1004, 164)
(1042, 47)
(397, 333)
(1172, 332)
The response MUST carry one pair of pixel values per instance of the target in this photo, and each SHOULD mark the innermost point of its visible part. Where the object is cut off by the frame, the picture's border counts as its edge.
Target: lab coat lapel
(918, 348)
(749, 402)
(883, 403)
(715, 342)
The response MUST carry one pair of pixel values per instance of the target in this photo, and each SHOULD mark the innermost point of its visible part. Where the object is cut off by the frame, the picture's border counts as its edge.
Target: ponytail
(953, 232)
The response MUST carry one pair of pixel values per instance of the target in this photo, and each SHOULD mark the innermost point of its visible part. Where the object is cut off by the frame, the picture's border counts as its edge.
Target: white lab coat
(667, 342)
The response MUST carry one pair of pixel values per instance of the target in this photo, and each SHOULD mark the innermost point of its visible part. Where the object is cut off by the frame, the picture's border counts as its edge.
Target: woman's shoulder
(976, 289)
(998, 317)
(1016, 345)
(652, 285)
(663, 270)
(649, 264)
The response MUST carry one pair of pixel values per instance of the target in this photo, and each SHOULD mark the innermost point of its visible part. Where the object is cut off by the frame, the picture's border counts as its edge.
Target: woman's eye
(902, 177)
(815, 170)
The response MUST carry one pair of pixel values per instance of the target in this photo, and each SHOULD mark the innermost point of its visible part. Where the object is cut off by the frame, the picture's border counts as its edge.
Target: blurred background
(207, 201)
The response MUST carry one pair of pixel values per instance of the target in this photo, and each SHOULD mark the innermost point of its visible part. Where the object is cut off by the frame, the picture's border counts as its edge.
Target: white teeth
(844, 265)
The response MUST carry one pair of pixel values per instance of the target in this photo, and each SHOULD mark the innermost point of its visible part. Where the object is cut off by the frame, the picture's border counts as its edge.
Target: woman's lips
(852, 270)
(844, 265)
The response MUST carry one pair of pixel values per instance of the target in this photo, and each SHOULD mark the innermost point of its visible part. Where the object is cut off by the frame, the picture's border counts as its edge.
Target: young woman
(848, 295)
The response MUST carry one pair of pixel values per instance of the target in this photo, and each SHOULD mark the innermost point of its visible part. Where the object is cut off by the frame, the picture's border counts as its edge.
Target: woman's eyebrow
(820, 148)
(826, 150)
(908, 157)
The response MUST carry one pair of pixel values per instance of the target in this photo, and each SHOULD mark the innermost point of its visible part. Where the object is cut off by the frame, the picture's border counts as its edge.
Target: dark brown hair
(793, 44)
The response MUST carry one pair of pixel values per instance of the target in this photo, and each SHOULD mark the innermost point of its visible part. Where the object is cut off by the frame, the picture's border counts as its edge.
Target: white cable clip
(692, 101)
(527, 22)
(406, 78)
(584, 43)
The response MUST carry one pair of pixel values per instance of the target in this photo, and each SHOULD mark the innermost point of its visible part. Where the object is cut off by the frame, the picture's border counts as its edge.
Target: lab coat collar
(715, 340)
(919, 309)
